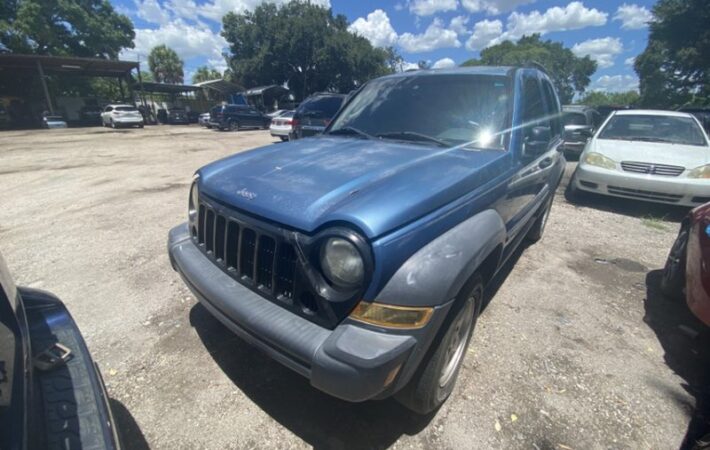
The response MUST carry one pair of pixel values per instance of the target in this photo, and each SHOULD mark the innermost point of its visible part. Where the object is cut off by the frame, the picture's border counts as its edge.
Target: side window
(109, 109)
(553, 107)
(534, 113)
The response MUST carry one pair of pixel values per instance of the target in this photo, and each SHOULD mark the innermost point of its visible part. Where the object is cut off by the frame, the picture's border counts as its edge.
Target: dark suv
(315, 113)
(234, 117)
(51, 392)
(359, 258)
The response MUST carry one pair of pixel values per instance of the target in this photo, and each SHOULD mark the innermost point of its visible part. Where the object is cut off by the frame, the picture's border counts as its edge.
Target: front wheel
(673, 278)
(435, 379)
(233, 126)
(113, 124)
(535, 233)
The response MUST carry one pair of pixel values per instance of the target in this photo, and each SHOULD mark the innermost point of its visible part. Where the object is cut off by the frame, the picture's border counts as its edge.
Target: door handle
(547, 162)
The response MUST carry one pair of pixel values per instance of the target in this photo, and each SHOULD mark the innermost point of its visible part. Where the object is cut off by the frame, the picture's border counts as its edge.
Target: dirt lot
(571, 351)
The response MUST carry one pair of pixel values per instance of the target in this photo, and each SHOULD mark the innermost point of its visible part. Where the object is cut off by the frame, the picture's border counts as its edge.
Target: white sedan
(282, 126)
(655, 156)
(115, 116)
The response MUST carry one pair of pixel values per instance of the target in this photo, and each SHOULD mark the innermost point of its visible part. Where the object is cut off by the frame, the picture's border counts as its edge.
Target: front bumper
(651, 188)
(351, 362)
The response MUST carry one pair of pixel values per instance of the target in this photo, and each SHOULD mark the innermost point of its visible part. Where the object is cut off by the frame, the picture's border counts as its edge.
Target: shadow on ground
(128, 430)
(686, 342)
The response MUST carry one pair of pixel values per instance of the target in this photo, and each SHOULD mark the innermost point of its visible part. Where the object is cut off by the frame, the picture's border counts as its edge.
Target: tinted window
(677, 130)
(534, 114)
(320, 107)
(553, 107)
(109, 109)
(125, 108)
(574, 118)
(454, 109)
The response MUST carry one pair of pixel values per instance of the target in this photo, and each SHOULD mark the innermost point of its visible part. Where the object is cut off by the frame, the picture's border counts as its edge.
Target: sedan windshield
(431, 109)
(650, 128)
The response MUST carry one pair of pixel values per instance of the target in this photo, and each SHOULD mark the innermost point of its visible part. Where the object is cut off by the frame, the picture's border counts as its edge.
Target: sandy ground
(569, 353)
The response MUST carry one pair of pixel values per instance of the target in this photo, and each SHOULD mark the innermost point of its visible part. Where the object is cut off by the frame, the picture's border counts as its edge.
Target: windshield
(571, 118)
(125, 108)
(433, 109)
(671, 129)
(320, 107)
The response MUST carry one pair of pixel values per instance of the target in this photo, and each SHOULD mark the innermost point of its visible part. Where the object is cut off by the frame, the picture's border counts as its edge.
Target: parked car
(359, 258)
(315, 113)
(90, 114)
(234, 117)
(178, 116)
(580, 122)
(282, 126)
(51, 392)
(687, 270)
(53, 121)
(702, 114)
(115, 116)
(649, 155)
(277, 113)
(204, 120)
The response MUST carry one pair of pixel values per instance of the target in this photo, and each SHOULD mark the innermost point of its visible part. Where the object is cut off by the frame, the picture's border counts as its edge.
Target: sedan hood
(375, 185)
(688, 156)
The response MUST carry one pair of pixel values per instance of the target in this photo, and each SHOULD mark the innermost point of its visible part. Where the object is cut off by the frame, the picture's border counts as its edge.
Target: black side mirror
(586, 132)
(537, 141)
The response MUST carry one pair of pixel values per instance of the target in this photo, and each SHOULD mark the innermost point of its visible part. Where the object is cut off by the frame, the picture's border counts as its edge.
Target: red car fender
(698, 264)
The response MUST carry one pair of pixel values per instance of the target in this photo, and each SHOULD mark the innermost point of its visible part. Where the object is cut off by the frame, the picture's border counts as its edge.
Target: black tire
(538, 228)
(436, 377)
(113, 124)
(140, 126)
(673, 277)
(234, 126)
(572, 193)
(284, 138)
(703, 443)
(209, 127)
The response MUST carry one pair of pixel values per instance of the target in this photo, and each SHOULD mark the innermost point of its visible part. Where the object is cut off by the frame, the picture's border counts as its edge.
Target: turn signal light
(391, 316)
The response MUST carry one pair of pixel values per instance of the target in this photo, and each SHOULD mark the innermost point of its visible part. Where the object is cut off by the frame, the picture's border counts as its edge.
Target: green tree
(87, 28)
(205, 73)
(301, 44)
(165, 65)
(674, 69)
(597, 98)
(569, 73)
(146, 76)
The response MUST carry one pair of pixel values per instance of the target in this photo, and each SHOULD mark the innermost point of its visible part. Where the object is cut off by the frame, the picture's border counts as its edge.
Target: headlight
(392, 316)
(194, 202)
(599, 160)
(342, 263)
(700, 172)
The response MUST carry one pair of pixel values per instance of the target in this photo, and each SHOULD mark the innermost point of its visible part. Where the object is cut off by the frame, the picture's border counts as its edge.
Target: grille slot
(247, 253)
(201, 225)
(232, 252)
(220, 228)
(265, 262)
(285, 272)
(209, 231)
(652, 169)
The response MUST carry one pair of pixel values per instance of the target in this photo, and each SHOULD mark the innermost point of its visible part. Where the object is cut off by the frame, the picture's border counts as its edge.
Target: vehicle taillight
(294, 122)
(288, 122)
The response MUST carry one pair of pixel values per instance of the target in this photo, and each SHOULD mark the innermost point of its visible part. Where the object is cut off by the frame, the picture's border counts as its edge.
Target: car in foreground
(204, 120)
(51, 391)
(687, 270)
(315, 113)
(115, 116)
(580, 122)
(236, 117)
(53, 121)
(282, 126)
(359, 258)
(649, 155)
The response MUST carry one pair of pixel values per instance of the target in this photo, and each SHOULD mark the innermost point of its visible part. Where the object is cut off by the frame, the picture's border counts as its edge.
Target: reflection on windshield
(432, 109)
(650, 128)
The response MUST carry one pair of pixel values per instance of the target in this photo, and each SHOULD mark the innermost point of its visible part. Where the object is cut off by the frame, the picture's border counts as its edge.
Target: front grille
(647, 195)
(260, 259)
(652, 169)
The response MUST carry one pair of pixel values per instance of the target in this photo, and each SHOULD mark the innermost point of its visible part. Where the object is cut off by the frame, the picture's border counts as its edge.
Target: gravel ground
(569, 353)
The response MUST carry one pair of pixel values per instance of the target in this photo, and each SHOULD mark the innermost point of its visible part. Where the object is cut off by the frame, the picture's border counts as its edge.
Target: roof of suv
(651, 112)
(472, 70)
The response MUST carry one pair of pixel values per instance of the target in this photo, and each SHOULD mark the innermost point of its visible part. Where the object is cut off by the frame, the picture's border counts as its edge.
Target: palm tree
(165, 65)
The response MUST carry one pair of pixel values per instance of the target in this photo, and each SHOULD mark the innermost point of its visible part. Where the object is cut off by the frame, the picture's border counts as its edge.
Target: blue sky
(444, 32)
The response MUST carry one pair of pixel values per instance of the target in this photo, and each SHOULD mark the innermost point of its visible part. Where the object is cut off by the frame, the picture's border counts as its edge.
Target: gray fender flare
(437, 272)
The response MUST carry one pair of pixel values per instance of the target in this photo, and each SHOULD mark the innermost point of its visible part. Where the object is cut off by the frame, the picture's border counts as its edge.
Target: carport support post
(120, 86)
(44, 88)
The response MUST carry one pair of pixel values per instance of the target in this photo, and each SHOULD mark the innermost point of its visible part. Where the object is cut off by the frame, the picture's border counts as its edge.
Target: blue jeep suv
(359, 258)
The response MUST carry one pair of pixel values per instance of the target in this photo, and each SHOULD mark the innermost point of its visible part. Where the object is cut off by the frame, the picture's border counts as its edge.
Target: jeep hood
(375, 185)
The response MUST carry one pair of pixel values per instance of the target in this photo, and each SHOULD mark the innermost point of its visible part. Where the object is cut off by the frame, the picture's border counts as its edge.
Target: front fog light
(599, 160)
(342, 263)
(391, 316)
(700, 172)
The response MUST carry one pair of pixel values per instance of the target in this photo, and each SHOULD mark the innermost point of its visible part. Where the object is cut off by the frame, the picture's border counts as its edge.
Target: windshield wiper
(352, 131)
(412, 136)
(647, 139)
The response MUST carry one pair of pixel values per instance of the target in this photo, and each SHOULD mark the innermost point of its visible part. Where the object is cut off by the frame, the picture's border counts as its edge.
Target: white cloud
(444, 63)
(633, 17)
(615, 83)
(601, 50)
(435, 37)
(151, 11)
(215, 9)
(572, 17)
(630, 60)
(493, 7)
(484, 32)
(429, 7)
(458, 24)
(376, 28)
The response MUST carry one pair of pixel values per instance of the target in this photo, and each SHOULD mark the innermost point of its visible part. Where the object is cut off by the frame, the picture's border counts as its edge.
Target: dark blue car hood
(375, 185)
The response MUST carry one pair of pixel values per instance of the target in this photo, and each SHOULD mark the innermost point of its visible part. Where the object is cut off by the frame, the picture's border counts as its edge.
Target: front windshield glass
(643, 127)
(571, 118)
(432, 109)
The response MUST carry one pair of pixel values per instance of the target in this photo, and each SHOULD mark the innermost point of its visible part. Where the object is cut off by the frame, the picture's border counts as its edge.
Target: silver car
(282, 126)
(115, 116)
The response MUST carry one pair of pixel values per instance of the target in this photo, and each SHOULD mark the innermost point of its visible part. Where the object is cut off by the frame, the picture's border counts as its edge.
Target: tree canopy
(674, 69)
(85, 28)
(570, 74)
(598, 98)
(165, 65)
(205, 73)
(301, 44)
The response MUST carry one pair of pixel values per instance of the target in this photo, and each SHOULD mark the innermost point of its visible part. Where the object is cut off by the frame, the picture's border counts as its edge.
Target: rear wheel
(233, 125)
(436, 377)
(673, 278)
(113, 124)
(284, 138)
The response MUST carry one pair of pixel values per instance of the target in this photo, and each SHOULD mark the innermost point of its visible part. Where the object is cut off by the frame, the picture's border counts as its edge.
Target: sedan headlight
(342, 263)
(700, 172)
(193, 202)
(599, 160)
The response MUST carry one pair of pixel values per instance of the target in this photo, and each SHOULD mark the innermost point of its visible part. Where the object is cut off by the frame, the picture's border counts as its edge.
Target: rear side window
(109, 109)
(553, 107)
(321, 107)
(534, 112)
(572, 118)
